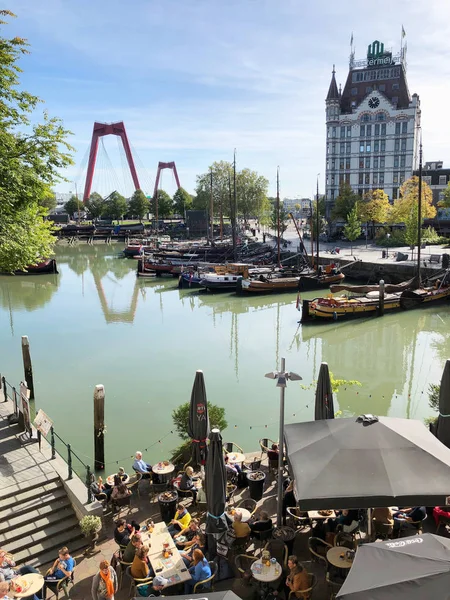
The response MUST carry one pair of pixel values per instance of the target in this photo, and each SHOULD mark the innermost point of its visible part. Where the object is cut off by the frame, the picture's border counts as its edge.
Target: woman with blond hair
(187, 482)
(199, 571)
(104, 584)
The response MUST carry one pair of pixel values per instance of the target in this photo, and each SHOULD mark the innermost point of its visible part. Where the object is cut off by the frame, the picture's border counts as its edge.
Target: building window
(342, 147)
(362, 130)
(375, 162)
(402, 160)
(382, 159)
(367, 163)
(383, 129)
(361, 163)
(368, 130)
(333, 163)
(376, 146)
(369, 89)
(377, 129)
(349, 131)
(395, 86)
(361, 147)
(375, 178)
(342, 132)
(367, 147)
(341, 179)
(347, 178)
(382, 87)
(347, 163)
(402, 177)
(366, 117)
(332, 180)
(348, 147)
(397, 145)
(332, 194)
(396, 162)
(328, 164)
(334, 132)
(341, 164)
(381, 179)
(333, 148)
(427, 179)
(395, 179)
(394, 193)
(394, 100)
(354, 91)
(381, 116)
(405, 127)
(383, 146)
(403, 147)
(367, 178)
(361, 178)
(442, 179)
(398, 127)
(360, 192)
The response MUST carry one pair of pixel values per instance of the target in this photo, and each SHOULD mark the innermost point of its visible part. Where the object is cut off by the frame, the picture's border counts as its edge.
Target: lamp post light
(282, 377)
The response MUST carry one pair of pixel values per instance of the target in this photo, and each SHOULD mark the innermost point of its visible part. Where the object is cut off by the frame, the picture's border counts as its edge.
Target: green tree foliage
(165, 205)
(72, 205)
(352, 229)
(345, 202)
(182, 201)
(251, 193)
(409, 196)
(95, 205)
(48, 201)
(411, 221)
(222, 176)
(322, 220)
(115, 207)
(139, 205)
(374, 207)
(284, 218)
(180, 417)
(31, 158)
(445, 201)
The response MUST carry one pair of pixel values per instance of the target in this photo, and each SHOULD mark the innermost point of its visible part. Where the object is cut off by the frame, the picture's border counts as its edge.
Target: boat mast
(317, 222)
(278, 215)
(234, 211)
(419, 210)
(211, 209)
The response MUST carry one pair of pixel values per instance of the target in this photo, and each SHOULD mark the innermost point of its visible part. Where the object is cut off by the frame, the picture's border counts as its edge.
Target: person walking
(104, 584)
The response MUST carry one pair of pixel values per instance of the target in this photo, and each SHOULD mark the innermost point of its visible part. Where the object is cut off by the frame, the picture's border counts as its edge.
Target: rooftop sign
(377, 56)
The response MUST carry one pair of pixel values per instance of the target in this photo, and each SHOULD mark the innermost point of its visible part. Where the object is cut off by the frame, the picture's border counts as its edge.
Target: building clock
(374, 102)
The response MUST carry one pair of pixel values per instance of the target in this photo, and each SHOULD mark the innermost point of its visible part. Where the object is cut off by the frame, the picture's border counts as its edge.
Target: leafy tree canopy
(251, 193)
(115, 207)
(409, 197)
(72, 205)
(48, 201)
(352, 229)
(165, 205)
(374, 207)
(284, 218)
(180, 417)
(345, 202)
(139, 204)
(445, 201)
(182, 201)
(31, 158)
(95, 205)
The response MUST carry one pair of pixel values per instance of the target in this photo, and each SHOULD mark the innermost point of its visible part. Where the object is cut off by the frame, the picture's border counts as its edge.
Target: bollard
(99, 427)
(27, 367)
(381, 299)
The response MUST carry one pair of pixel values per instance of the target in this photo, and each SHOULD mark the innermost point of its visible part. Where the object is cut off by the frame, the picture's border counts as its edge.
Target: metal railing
(66, 453)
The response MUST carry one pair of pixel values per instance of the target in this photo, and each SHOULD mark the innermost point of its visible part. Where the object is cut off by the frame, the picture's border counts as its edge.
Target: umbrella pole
(281, 451)
(369, 524)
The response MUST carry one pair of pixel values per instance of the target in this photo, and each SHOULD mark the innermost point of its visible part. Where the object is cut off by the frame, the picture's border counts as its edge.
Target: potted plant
(90, 526)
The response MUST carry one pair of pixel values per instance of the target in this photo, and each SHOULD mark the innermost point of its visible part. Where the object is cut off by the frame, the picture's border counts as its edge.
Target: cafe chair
(347, 540)
(262, 536)
(416, 526)
(207, 584)
(265, 444)
(305, 594)
(318, 550)
(442, 520)
(135, 483)
(231, 491)
(156, 489)
(255, 465)
(135, 582)
(278, 550)
(61, 584)
(243, 562)
(333, 585)
(249, 505)
(297, 519)
(122, 570)
(121, 503)
(230, 447)
(382, 531)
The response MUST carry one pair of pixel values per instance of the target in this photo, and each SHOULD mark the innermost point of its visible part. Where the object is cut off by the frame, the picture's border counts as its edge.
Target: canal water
(143, 340)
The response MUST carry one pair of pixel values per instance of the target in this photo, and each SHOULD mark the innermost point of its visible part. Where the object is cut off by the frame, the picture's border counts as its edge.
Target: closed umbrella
(442, 427)
(324, 408)
(198, 425)
(216, 486)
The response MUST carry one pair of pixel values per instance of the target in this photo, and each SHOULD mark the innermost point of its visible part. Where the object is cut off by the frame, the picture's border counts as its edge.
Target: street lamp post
(282, 377)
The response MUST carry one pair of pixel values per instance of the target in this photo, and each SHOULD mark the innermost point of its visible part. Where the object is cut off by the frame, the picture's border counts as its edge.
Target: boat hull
(44, 268)
(256, 286)
(188, 282)
(316, 282)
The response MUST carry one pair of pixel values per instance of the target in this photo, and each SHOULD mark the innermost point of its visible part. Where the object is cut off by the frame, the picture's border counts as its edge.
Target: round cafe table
(236, 457)
(36, 582)
(163, 470)
(110, 480)
(246, 514)
(337, 557)
(266, 574)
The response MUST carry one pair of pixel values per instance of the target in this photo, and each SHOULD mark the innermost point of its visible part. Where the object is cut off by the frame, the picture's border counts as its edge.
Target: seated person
(289, 500)
(264, 523)
(121, 473)
(346, 518)
(133, 546)
(187, 483)
(62, 567)
(158, 584)
(245, 587)
(188, 533)
(119, 490)
(273, 453)
(232, 469)
(405, 516)
(198, 542)
(199, 571)
(140, 568)
(4, 592)
(140, 466)
(8, 568)
(241, 530)
(98, 487)
(123, 532)
(297, 579)
(439, 511)
(180, 521)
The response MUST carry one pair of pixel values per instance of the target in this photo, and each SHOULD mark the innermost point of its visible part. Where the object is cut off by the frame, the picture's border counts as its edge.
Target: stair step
(31, 537)
(19, 530)
(29, 494)
(14, 510)
(11, 525)
(17, 488)
(48, 557)
(72, 539)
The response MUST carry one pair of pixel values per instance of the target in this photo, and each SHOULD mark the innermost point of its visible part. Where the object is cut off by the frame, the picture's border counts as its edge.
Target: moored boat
(43, 268)
(323, 279)
(267, 284)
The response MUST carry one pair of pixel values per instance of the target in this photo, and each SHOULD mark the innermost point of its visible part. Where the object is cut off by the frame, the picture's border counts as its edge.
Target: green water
(143, 340)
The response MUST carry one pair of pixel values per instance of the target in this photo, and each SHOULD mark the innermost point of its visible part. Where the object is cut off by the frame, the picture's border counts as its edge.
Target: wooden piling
(27, 366)
(99, 427)
(381, 299)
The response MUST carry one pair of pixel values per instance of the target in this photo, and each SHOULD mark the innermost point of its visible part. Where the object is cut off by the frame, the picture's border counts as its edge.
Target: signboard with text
(42, 422)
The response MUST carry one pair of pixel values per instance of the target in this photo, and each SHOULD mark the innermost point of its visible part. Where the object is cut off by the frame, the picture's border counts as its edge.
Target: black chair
(121, 502)
(249, 504)
(278, 550)
(62, 584)
(156, 489)
(232, 447)
(243, 562)
(262, 536)
(318, 550)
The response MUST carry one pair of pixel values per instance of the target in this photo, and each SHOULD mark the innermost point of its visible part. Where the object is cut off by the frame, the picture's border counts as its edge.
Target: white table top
(162, 469)
(246, 514)
(110, 480)
(36, 582)
(166, 567)
(267, 574)
(235, 457)
(337, 557)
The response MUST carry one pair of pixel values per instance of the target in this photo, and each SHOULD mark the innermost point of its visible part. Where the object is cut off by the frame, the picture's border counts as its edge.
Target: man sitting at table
(233, 469)
(408, 517)
(121, 473)
(62, 567)
(264, 523)
(133, 545)
(140, 466)
(158, 584)
(188, 532)
(198, 543)
(187, 482)
(241, 530)
(180, 521)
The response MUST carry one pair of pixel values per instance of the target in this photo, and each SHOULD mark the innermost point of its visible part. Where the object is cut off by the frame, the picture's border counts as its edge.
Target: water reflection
(28, 292)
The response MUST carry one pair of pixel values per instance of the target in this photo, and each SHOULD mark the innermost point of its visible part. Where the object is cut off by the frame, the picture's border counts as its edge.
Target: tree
(409, 197)
(322, 220)
(374, 208)
(445, 202)
(115, 207)
(222, 178)
(353, 227)
(345, 202)
(31, 159)
(297, 208)
(48, 201)
(411, 233)
(180, 417)
(251, 193)
(284, 218)
(95, 205)
(165, 205)
(72, 205)
(182, 201)
(139, 205)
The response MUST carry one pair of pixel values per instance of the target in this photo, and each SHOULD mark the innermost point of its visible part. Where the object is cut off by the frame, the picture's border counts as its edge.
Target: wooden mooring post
(99, 427)
(381, 299)
(27, 366)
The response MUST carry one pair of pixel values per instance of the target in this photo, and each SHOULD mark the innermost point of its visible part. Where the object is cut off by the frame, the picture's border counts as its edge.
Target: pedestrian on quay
(104, 584)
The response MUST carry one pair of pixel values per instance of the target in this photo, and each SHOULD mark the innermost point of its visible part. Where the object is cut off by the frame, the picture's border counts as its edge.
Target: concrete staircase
(36, 519)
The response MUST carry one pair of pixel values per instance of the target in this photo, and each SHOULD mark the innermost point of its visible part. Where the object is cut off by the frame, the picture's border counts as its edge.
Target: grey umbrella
(442, 427)
(215, 486)
(412, 568)
(198, 425)
(324, 408)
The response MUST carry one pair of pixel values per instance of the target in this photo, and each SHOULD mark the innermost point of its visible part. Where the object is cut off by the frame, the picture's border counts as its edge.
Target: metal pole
(312, 235)
(281, 451)
(234, 207)
(278, 215)
(419, 212)
(211, 210)
(317, 220)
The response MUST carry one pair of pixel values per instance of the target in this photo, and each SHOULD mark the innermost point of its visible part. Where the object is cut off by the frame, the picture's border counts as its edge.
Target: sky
(194, 79)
